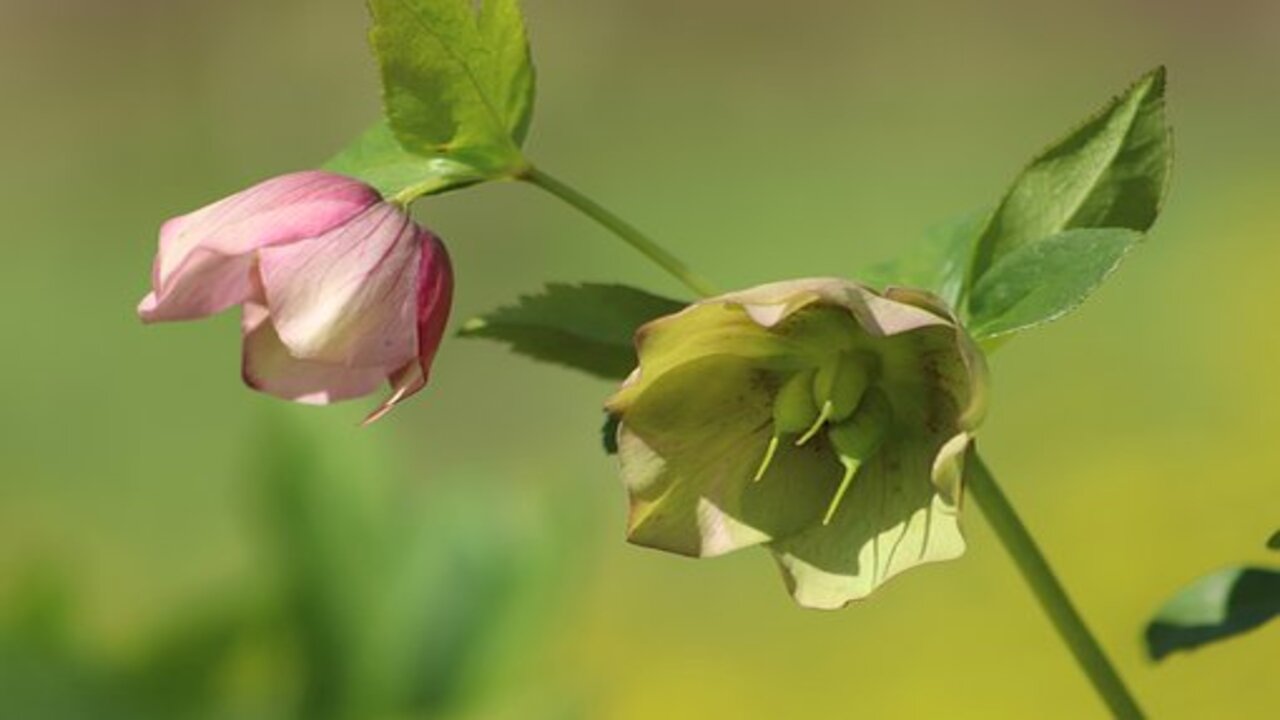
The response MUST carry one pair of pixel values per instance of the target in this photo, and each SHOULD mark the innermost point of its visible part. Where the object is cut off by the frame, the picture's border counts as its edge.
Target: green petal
(724, 329)
(689, 449)
(967, 382)
(893, 519)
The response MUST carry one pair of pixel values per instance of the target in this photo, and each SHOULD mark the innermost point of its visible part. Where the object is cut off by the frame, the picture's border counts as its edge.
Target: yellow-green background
(760, 141)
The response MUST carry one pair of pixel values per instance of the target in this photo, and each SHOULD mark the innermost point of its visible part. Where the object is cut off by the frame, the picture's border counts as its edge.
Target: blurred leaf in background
(1218, 606)
(372, 603)
(44, 670)
(938, 263)
(1215, 607)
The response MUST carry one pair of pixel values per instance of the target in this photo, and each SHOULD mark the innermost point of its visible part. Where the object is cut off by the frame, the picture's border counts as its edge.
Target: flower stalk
(1049, 592)
(624, 230)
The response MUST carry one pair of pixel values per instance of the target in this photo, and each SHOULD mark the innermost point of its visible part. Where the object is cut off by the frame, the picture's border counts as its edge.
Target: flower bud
(340, 291)
(816, 417)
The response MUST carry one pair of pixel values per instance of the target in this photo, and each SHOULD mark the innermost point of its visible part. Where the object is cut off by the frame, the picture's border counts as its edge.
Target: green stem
(621, 228)
(1053, 598)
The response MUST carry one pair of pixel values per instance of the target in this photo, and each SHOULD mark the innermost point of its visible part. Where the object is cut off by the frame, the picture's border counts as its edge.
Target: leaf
(395, 604)
(178, 671)
(454, 80)
(588, 327)
(377, 158)
(1110, 172)
(458, 90)
(1043, 280)
(1215, 607)
(609, 433)
(938, 264)
(502, 26)
(326, 511)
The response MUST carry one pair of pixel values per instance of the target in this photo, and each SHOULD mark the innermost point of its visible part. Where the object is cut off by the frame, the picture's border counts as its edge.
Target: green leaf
(1110, 172)
(937, 264)
(501, 25)
(609, 433)
(394, 603)
(588, 327)
(377, 158)
(458, 89)
(1215, 607)
(454, 80)
(1043, 280)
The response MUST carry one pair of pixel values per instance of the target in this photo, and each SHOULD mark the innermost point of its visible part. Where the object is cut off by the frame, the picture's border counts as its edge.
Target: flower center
(839, 395)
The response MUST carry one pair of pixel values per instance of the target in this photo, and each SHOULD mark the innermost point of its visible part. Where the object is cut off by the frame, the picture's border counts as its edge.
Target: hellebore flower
(339, 290)
(817, 417)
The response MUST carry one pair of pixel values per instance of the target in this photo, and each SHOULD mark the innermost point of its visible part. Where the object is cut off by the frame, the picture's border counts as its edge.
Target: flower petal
(690, 447)
(705, 329)
(893, 519)
(435, 299)
(204, 262)
(349, 296)
(879, 315)
(267, 366)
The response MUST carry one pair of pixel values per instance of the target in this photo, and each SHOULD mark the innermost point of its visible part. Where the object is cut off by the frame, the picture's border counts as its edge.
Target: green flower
(817, 417)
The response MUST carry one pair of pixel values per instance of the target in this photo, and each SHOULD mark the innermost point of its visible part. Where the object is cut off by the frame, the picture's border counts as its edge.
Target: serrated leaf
(377, 158)
(937, 264)
(587, 327)
(1110, 172)
(455, 80)
(1045, 279)
(501, 25)
(1215, 607)
(609, 433)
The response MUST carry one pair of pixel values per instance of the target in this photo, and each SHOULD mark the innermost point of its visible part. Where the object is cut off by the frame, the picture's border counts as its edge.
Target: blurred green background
(174, 545)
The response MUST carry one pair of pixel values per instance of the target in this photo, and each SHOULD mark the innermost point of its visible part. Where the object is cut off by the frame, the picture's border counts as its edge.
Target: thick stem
(1053, 598)
(621, 228)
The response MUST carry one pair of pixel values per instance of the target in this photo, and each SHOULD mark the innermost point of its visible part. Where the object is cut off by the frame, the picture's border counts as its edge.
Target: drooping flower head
(817, 417)
(339, 290)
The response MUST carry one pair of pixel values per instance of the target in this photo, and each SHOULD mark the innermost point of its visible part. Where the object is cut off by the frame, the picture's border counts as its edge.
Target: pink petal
(267, 366)
(348, 297)
(205, 258)
(435, 299)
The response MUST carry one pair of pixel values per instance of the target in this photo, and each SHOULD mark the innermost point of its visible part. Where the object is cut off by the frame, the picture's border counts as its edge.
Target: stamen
(817, 424)
(850, 469)
(856, 440)
(768, 458)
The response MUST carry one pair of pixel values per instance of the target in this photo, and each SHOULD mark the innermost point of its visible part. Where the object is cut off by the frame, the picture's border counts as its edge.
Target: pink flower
(338, 289)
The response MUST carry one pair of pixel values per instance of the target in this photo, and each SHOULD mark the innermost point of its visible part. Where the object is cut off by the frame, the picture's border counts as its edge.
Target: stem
(621, 228)
(1053, 598)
